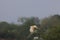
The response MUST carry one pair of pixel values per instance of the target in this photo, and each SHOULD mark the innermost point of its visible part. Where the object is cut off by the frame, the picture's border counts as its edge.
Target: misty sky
(10, 10)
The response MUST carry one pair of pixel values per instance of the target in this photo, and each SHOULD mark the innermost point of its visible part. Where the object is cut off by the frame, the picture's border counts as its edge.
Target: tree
(26, 23)
(52, 28)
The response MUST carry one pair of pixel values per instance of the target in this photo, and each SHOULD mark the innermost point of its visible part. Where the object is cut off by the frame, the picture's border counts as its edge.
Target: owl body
(33, 28)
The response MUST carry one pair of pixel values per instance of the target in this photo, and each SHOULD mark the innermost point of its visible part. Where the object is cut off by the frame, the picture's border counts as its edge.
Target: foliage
(52, 29)
(49, 28)
(20, 32)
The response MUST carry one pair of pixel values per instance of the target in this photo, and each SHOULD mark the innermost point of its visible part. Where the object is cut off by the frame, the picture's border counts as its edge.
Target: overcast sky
(10, 10)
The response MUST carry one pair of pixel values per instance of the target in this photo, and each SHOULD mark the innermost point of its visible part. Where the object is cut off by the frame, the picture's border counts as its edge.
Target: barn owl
(33, 28)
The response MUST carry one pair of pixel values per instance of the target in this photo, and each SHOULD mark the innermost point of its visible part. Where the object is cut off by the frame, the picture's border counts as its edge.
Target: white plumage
(32, 28)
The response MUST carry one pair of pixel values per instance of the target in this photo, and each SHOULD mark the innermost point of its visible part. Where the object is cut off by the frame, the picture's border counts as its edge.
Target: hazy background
(10, 10)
